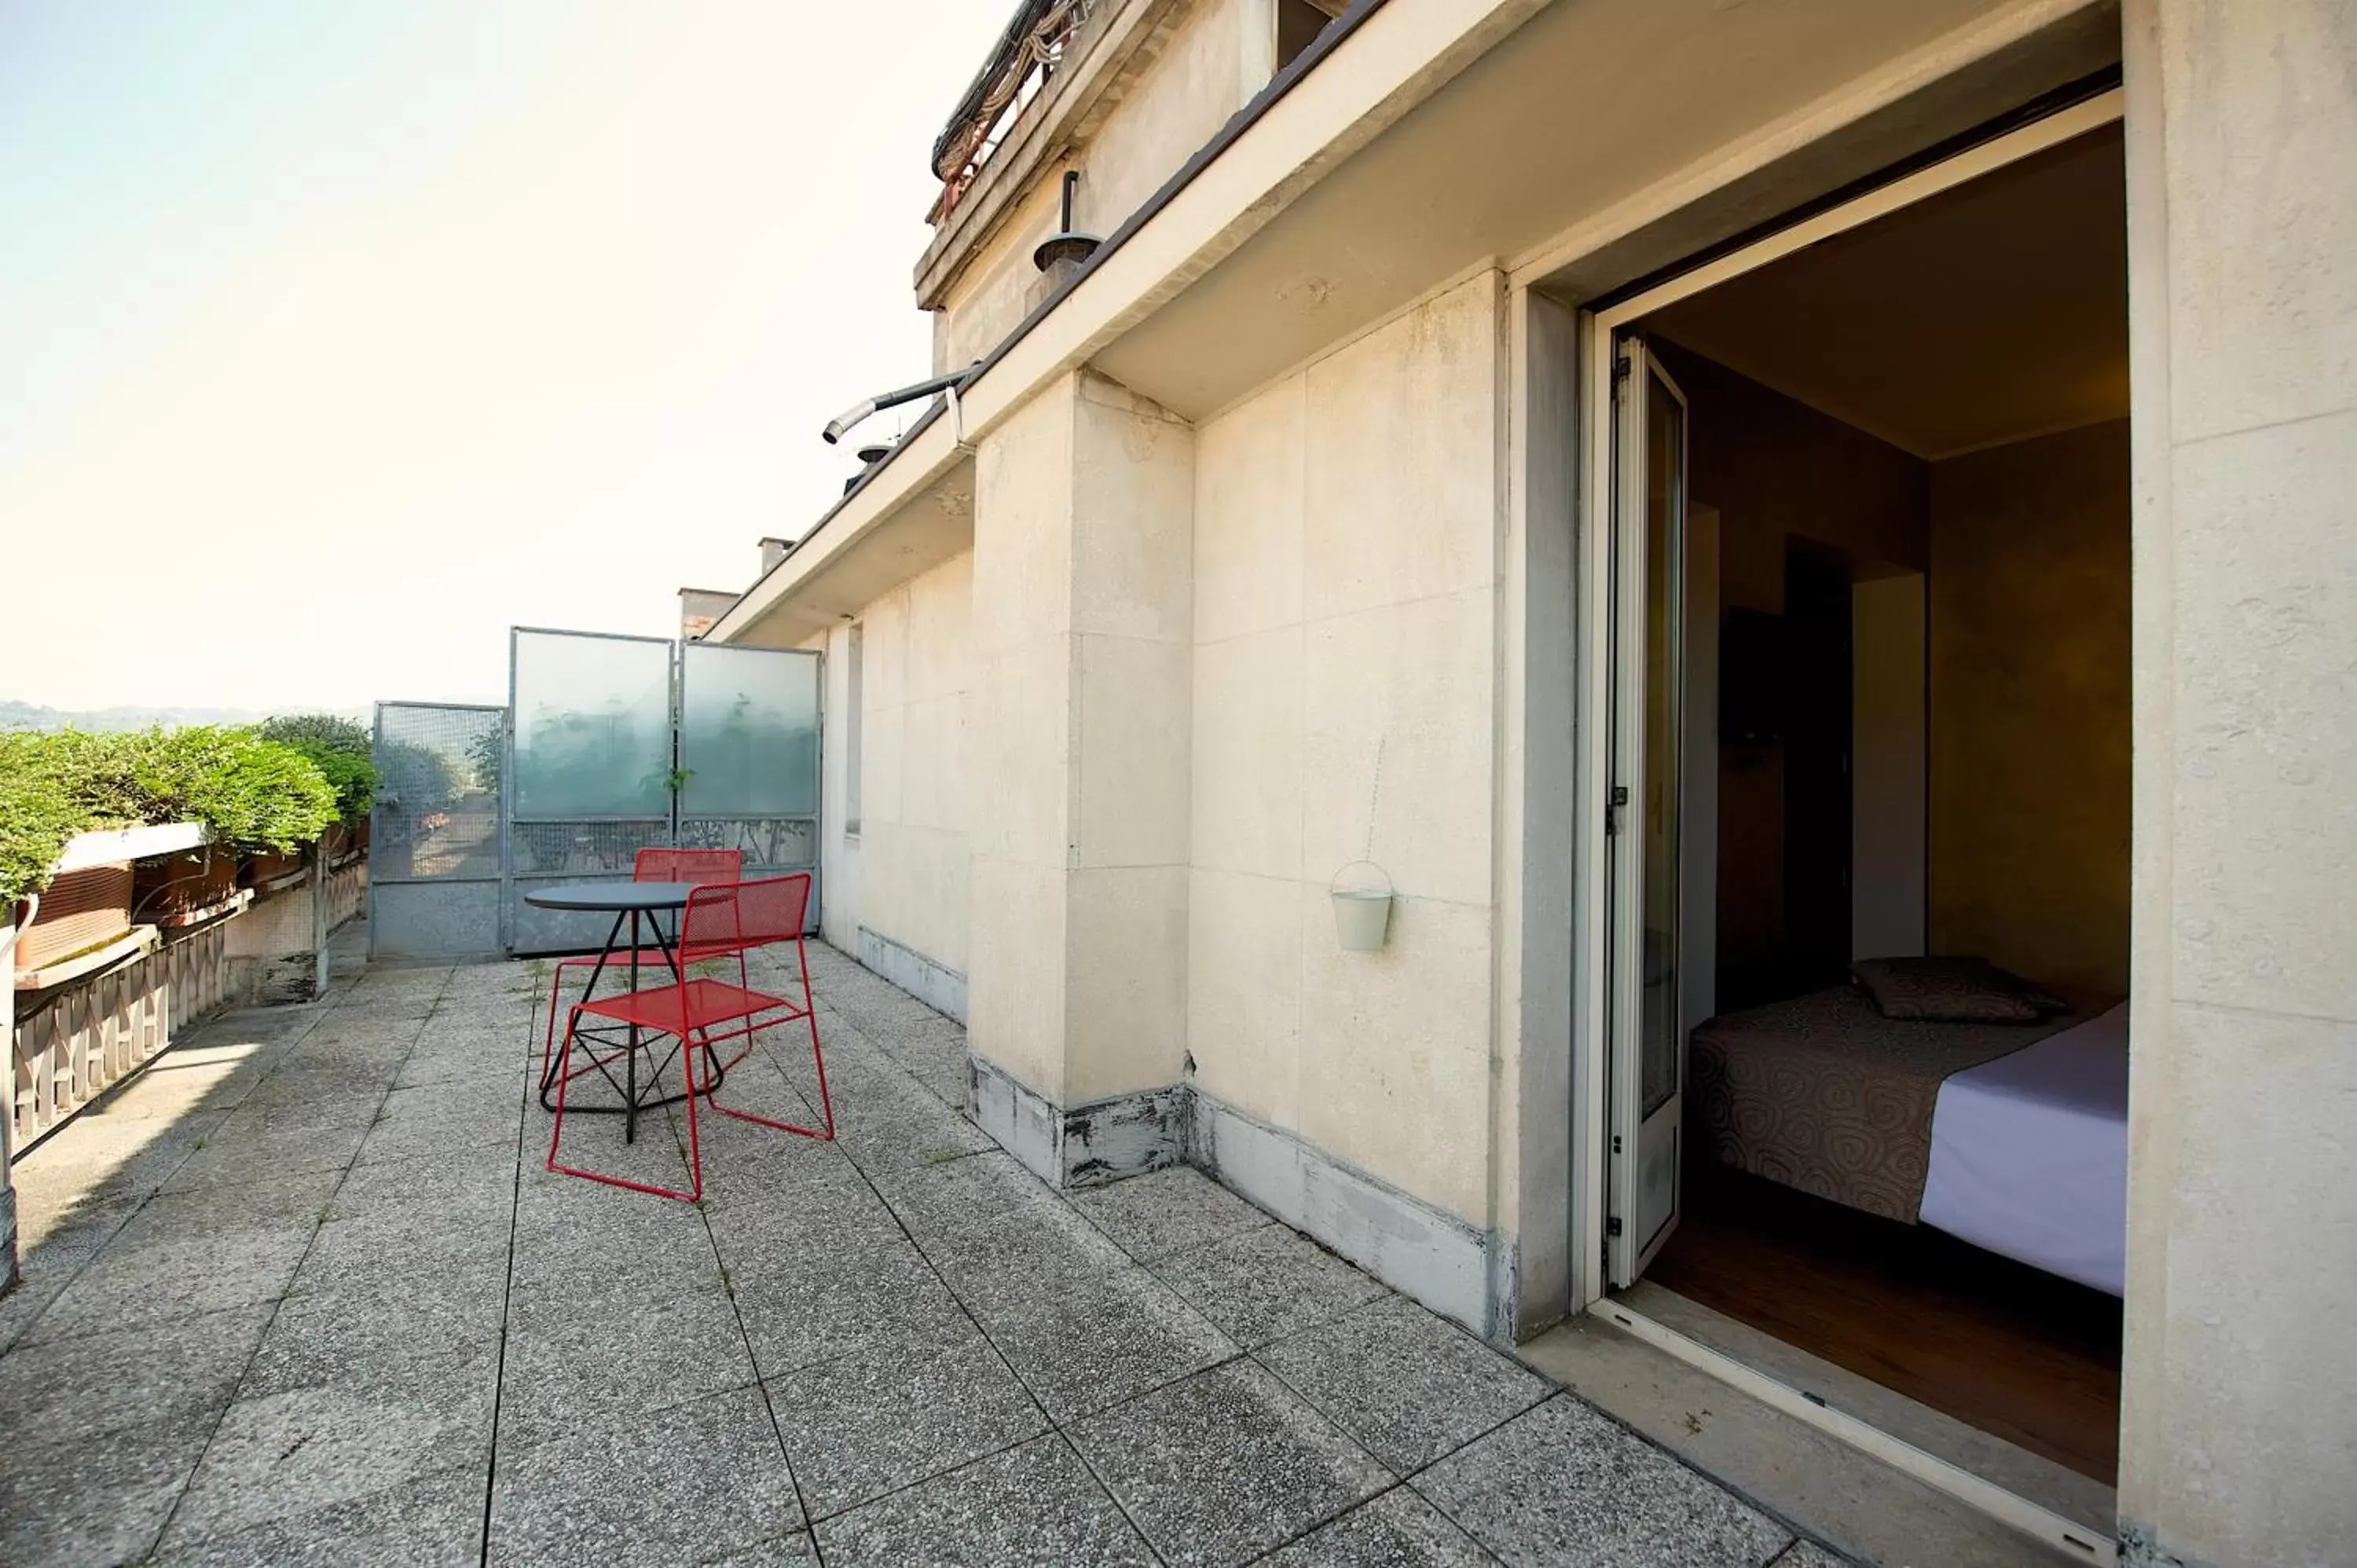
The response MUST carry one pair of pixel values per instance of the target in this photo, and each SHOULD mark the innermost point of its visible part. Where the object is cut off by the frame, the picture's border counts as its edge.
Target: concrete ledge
(938, 987)
(1080, 1145)
(1418, 1250)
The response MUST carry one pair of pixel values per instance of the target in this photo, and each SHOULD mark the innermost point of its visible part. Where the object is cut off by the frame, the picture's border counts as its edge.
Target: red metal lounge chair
(723, 920)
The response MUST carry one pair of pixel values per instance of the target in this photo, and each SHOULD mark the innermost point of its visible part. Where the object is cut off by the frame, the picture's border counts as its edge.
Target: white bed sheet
(2029, 1153)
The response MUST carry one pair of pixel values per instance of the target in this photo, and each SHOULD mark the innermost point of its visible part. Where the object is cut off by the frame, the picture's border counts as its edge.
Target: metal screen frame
(434, 917)
(524, 930)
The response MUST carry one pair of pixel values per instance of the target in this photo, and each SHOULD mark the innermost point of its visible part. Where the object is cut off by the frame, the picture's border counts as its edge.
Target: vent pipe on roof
(841, 423)
(1067, 248)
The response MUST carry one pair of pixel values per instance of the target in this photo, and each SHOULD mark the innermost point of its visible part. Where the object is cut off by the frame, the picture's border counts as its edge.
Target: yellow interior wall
(2030, 726)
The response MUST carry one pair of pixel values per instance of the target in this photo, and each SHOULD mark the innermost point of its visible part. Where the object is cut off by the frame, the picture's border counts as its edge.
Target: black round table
(635, 902)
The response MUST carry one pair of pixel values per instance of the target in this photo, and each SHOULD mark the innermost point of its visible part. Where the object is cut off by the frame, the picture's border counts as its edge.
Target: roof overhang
(1406, 148)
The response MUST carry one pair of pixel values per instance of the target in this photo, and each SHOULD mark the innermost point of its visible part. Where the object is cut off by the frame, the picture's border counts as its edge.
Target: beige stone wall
(1083, 510)
(903, 875)
(1345, 624)
(2239, 1440)
(2031, 731)
(1218, 56)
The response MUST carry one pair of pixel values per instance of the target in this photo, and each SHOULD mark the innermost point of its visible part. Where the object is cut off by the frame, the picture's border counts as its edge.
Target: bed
(2011, 1135)
(2029, 1153)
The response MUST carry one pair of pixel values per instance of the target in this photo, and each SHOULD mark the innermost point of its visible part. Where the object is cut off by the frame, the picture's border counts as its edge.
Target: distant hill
(33, 715)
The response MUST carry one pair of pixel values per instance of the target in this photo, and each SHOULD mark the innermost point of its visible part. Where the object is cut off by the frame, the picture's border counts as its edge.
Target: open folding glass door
(1645, 1009)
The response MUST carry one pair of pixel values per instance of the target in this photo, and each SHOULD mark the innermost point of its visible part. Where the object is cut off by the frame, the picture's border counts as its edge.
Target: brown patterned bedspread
(1826, 1094)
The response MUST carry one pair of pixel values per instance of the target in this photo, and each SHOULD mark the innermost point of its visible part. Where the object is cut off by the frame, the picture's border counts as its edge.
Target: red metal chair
(655, 864)
(724, 919)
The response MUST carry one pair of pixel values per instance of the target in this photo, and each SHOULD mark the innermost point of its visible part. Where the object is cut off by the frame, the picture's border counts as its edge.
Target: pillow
(1952, 990)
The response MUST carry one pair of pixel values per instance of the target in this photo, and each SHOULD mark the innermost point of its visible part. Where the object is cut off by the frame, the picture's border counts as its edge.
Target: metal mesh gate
(433, 836)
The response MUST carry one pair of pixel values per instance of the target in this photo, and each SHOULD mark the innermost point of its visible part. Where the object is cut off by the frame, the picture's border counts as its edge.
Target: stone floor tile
(285, 1457)
(1033, 1504)
(473, 1180)
(1809, 1554)
(573, 1364)
(443, 1118)
(236, 1155)
(130, 1288)
(356, 1339)
(396, 1250)
(56, 1248)
(950, 1196)
(1167, 1211)
(890, 1414)
(902, 1136)
(1263, 1284)
(800, 1310)
(1221, 1467)
(1038, 1249)
(1083, 1349)
(58, 1509)
(706, 1478)
(1563, 1484)
(433, 1522)
(78, 1391)
(777, 1178)
(1394, 1529)
(785, 1551)
(1407, 1385)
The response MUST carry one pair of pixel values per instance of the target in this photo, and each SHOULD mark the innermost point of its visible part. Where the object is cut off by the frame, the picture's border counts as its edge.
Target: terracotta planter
(173, 887)
(80, 911)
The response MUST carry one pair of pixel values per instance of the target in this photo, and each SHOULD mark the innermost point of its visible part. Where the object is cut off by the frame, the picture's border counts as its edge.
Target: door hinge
(1613, 806)
(1616, 1143)
(1613, 1225)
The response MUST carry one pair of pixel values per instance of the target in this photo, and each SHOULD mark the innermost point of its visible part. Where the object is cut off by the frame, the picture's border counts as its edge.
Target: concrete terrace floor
(302, 1292)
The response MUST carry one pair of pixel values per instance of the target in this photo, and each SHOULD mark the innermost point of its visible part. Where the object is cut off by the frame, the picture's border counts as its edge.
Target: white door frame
(1589, 1135)
(1590, 1043)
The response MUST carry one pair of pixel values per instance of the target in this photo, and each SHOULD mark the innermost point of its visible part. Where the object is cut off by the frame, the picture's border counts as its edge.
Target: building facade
(1267, 548)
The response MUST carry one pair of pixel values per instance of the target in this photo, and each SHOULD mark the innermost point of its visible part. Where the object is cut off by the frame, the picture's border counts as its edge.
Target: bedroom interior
(1901, 711)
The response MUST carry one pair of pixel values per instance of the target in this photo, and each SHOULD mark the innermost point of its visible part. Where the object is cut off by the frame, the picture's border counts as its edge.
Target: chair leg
(548, 1044)
(818, 1057)
(557, 1134)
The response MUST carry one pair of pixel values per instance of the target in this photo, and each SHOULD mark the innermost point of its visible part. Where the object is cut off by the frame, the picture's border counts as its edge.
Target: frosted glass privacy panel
(748, 732)
(592, 726)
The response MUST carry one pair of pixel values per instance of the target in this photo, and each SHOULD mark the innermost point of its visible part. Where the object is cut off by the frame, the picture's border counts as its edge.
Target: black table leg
(630, 1115)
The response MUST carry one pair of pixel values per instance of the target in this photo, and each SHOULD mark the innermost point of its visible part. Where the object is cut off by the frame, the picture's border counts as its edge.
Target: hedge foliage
(341, 748)
(251, 793)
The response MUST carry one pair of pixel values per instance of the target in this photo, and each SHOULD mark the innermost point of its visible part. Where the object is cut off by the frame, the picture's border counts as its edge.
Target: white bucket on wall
(1362, 915)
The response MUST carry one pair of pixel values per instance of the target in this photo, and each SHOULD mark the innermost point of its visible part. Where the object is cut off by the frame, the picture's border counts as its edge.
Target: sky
(334, 339)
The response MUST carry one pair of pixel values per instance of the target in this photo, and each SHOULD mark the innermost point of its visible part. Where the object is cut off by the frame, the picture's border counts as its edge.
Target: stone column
(1079, 743)
(2239, 1431)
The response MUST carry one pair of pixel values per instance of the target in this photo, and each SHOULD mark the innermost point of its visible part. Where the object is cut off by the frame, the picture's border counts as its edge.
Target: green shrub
(39, 811)
(302, 731)
(249, 793)
(352, 777)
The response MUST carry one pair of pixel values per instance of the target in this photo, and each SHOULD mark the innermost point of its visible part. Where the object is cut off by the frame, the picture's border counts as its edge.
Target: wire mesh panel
(434, 835)
(749, 755)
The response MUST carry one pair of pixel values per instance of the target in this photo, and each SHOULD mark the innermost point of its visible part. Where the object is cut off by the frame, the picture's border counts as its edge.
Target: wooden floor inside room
(2022, 1354)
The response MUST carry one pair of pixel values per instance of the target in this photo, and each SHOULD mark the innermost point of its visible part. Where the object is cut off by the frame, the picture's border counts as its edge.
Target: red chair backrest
(663, 865)
(730, 917)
